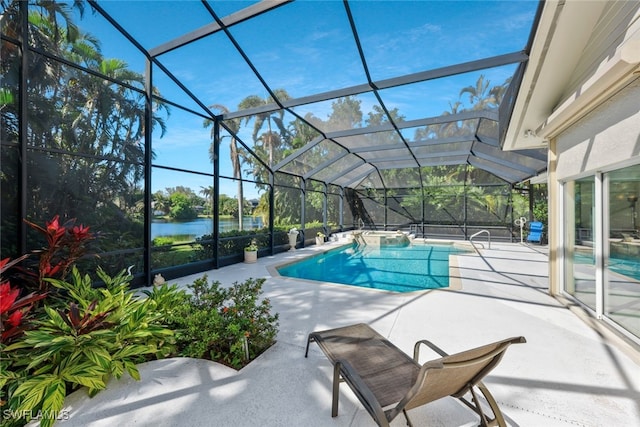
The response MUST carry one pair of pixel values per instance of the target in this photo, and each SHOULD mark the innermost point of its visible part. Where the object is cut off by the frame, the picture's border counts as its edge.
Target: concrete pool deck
(571, 371)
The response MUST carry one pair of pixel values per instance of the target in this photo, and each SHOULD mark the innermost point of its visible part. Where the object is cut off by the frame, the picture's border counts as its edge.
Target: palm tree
(497, 92)
(270, 139)
(88, 124)
(478, 94)
(235, 154)
(79, 113)
(482, 95)
(160, 202)
(273, 142)
(450, 128)
(208, 192)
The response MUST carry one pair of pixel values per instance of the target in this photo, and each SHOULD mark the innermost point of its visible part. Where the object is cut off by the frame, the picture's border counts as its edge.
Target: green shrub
(99, 333)
(167, 299)
(162, 241)
(227, 325)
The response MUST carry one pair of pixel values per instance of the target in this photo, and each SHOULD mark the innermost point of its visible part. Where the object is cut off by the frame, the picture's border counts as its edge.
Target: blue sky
(306, 47)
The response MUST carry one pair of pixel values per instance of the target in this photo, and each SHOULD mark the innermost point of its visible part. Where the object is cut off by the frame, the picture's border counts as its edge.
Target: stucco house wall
(607, 137)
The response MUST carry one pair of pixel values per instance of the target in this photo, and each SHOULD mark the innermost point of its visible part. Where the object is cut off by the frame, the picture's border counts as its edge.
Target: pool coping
(455, 278)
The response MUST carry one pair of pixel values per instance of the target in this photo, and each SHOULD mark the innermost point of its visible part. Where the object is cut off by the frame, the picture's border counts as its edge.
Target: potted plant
(251, 252)
(319, 238)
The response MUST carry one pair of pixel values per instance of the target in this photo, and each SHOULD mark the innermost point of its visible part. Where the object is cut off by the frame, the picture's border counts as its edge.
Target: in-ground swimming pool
(399, 269)
(627, 267)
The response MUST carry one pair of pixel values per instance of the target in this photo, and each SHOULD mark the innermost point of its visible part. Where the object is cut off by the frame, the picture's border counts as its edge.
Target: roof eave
(549, 100)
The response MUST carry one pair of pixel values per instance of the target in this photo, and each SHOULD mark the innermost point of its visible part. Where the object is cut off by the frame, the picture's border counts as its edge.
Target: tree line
(182, 203)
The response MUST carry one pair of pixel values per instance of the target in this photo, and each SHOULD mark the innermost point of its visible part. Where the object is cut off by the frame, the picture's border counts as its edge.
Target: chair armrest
(362, 391)
(432, 346)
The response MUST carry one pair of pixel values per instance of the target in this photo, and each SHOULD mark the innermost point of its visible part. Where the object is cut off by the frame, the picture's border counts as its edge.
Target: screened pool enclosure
(181, 131)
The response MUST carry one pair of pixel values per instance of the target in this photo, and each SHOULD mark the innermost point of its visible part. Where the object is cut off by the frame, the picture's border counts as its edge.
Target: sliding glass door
(579, 239)
(602, 245)
(622, 251)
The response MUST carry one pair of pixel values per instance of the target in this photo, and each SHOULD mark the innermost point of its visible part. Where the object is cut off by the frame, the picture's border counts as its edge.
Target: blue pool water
(398, 269)
(626, 267)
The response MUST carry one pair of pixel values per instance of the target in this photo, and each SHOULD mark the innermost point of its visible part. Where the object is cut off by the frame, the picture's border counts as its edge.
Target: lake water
(199, 227)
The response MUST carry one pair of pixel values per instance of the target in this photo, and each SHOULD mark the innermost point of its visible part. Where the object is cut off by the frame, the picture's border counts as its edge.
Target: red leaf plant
(88, 322)
(66, 243)
(13, 310)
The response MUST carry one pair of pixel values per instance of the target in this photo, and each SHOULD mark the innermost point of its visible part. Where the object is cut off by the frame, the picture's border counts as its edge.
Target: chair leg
(336, 389)
(404, 411)
(475, 405)
(483, 419)
(306, 352)
(498, 419)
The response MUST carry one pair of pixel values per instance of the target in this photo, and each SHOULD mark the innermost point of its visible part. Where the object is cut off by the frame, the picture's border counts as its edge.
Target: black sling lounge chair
(388, 382)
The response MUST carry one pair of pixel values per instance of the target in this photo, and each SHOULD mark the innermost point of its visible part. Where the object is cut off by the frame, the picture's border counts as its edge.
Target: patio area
(570, 372)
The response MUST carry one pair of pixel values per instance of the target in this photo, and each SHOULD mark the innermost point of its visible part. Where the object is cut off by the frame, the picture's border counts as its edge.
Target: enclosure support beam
(386, 209)
(464, 202)
(272, 210)
(303, 202)
(457, 69)
(341, 210)
(323, 166)
(511, 219)
(23, 131)
(148, 155)
(216, 192)
(325, 225)
(234, 18)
